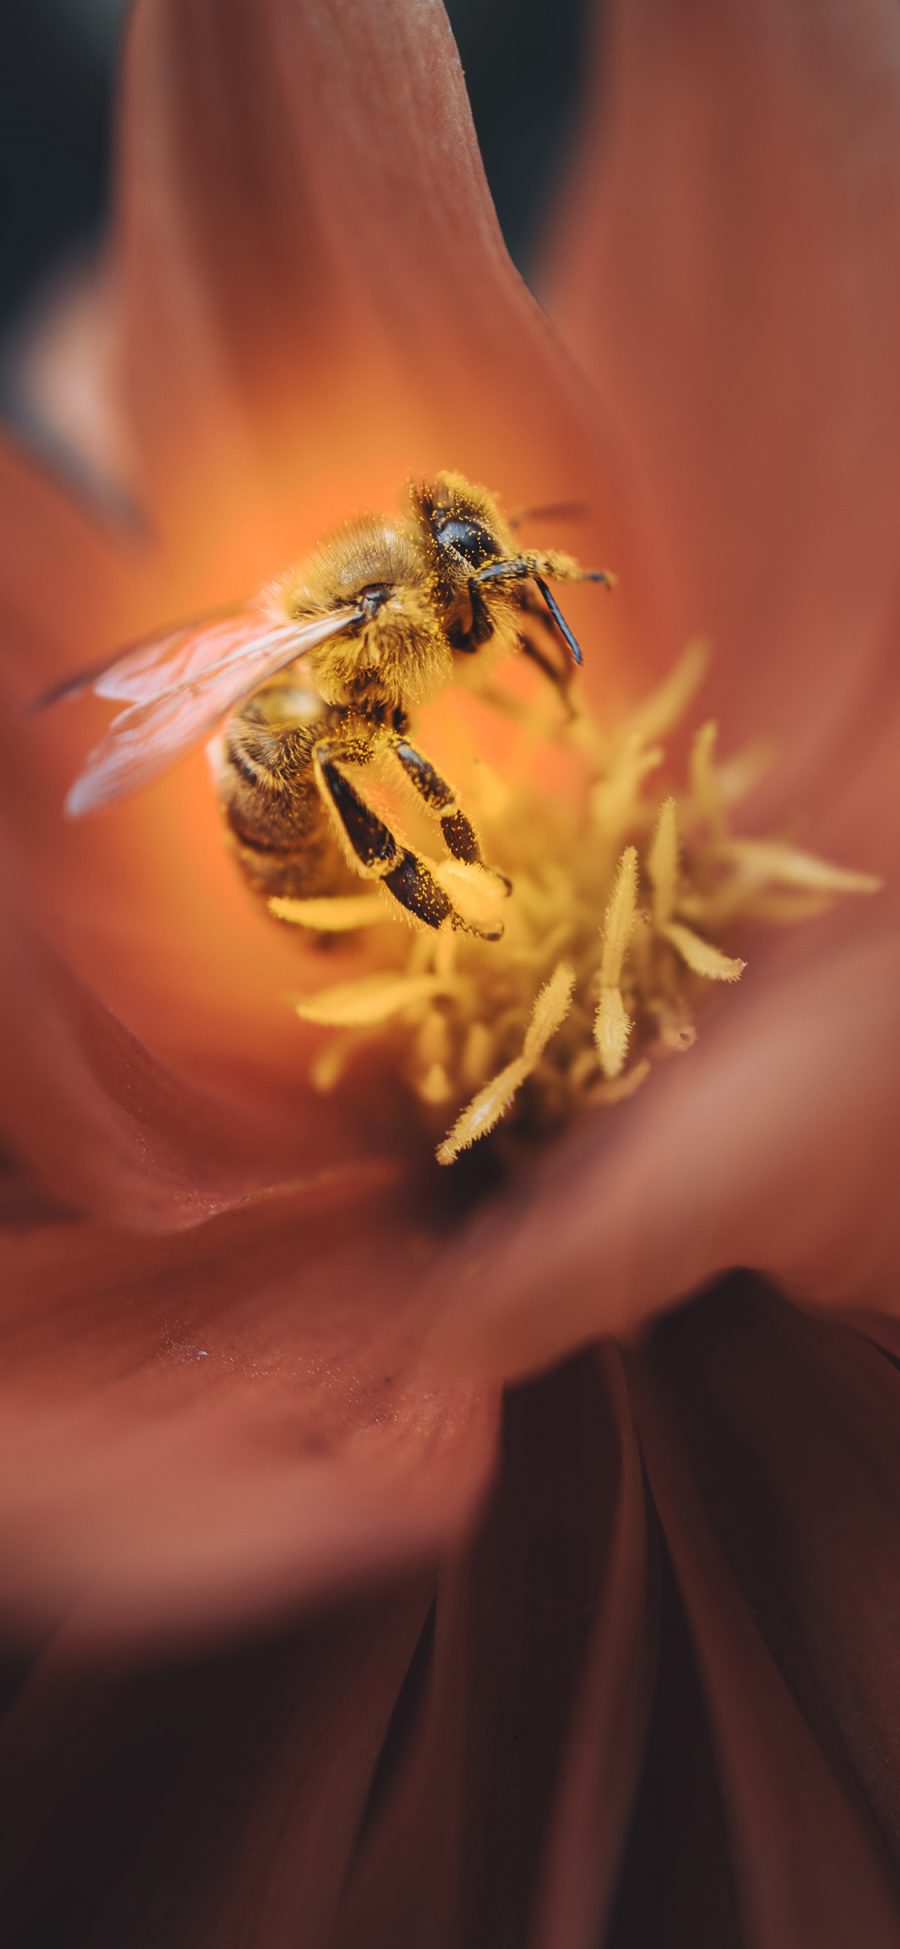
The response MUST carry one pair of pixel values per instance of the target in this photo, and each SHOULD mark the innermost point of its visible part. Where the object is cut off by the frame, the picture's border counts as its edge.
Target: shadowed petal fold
(790, 1423)
(533, 1664)
(810, 1860)
(198, 1803)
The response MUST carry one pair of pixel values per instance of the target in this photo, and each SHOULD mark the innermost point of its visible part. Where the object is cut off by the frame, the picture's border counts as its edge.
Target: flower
(253, 1350)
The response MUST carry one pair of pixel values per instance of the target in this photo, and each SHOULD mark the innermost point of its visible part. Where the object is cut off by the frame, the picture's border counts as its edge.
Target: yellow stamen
(700, 955)
(491, 1103)
(665, 707)
(341, 915)
(612, 1028)
(704, 781)
(621, 906)
(620, 918)
(662, 864)
(782, 865)
(374, 999)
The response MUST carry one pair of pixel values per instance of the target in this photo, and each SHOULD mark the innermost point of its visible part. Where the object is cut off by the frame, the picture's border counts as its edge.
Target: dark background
(521, 59)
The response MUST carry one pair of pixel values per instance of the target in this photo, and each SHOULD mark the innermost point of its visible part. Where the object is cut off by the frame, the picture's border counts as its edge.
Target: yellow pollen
(662, 864)
(620, 918)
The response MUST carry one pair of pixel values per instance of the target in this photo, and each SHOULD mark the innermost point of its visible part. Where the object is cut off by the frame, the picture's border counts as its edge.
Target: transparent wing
(158, 662)
(182, 685)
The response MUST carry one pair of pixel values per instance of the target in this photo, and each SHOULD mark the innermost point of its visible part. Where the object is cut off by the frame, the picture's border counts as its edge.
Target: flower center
(623, 907)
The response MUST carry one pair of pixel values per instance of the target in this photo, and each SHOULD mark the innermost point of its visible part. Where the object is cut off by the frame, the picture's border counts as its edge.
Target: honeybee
(322, 674)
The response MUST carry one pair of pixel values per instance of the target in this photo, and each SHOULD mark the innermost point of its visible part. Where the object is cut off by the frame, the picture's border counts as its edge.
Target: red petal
(534, 1661)
(730, 278)
(809, 1858)
(198, 1803)
(225, 1422)
(108, 1127)
(598, 1780)
(770, 1144)
(791, 1426)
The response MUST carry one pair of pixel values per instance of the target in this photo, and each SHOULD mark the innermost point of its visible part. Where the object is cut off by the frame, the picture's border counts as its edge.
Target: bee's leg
(459, 833)
(535, 567)
(372, 847)
(536, 563)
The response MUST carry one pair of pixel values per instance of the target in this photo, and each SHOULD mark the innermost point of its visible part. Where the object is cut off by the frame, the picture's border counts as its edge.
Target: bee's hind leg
(372, 848)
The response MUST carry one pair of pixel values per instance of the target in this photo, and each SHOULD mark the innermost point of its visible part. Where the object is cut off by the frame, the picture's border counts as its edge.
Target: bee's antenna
(549, 511)
(559, 618)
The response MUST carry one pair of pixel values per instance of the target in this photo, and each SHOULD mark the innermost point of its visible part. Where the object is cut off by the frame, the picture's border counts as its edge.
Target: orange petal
(219, 1425)
(729, 276)
(314, 281)
(770, 1144)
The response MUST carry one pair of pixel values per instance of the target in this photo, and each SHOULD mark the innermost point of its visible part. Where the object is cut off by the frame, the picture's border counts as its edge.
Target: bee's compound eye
(373, 597)
(466, 538)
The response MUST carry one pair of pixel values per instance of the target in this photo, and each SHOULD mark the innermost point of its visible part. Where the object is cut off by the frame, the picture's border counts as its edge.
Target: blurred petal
(226, 1422)
(810, 1861)
(729, 276)
(62, 373)
(770, 1144)
(535, 1662)
(791, 1426)
(202, 1803)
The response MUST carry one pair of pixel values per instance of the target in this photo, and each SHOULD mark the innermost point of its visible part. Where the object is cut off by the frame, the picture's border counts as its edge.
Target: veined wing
(183, 692)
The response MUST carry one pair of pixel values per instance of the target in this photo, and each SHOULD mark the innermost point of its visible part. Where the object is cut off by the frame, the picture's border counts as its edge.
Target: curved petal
(729, 275)
(200, 1802)
(770, 1144)
(810, 1861)
(314, 281)
(458, 1835)
(109, 1128)
(790, 1423)
(221, 1424)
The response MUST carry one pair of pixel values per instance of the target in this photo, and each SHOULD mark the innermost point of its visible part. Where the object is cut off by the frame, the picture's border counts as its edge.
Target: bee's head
(462, 529)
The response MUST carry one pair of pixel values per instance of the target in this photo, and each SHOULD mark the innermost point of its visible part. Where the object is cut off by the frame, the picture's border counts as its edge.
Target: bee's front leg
(372, 847)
